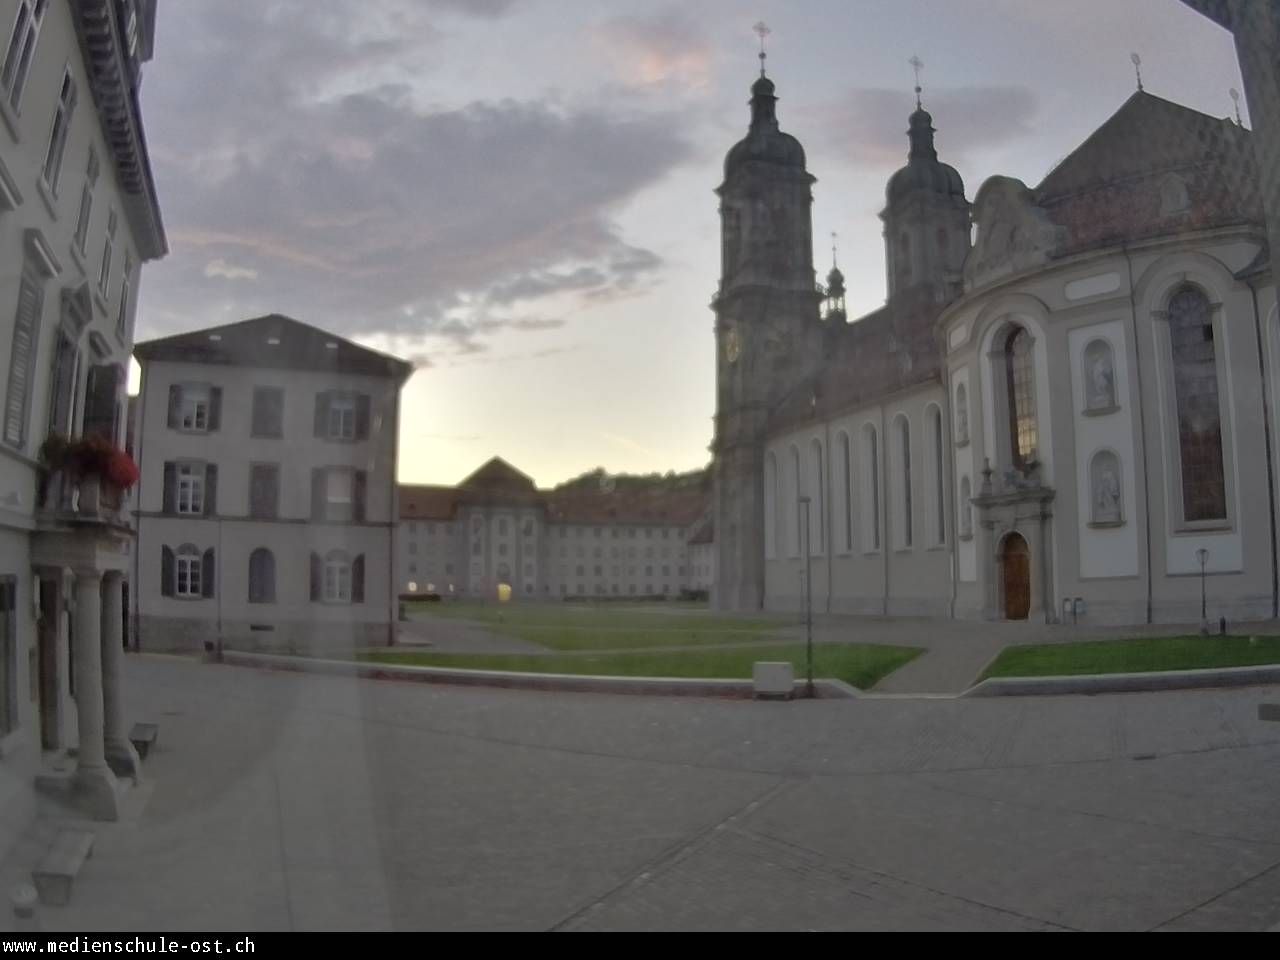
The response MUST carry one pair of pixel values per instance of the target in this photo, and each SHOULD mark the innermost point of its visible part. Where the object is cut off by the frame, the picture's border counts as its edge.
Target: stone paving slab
(289, 801)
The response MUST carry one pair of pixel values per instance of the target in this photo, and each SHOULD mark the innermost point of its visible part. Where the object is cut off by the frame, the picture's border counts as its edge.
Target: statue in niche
(1100, 377)
(1106, 490)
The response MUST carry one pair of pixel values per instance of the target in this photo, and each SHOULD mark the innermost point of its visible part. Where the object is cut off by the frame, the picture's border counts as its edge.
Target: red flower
(121, 471)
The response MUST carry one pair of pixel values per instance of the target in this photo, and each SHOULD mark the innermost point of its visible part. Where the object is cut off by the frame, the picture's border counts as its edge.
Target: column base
(123, 760)
(93, 792)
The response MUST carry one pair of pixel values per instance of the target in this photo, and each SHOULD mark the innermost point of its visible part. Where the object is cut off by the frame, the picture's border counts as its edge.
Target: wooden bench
(143, 736)
(58, 870)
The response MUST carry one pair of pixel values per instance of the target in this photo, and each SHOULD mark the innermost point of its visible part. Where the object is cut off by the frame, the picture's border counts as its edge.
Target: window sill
(48, 197)
(191, 431)
(1193, 527)
(1100, 411)
(966, 538)
(267, 436)
(1106, 524)
(961, 444)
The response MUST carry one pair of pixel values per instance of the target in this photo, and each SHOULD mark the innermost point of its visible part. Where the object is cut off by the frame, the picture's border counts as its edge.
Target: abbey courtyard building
(1065, 409)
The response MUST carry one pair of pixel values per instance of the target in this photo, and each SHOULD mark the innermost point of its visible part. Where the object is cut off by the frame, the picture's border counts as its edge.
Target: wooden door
(1017, 578)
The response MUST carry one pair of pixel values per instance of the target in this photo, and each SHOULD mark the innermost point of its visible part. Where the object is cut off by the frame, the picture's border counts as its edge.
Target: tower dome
(765, 142)
(924, 172)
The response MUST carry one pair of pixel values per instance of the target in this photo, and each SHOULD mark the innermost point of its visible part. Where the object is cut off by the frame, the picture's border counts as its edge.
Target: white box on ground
(774, 681)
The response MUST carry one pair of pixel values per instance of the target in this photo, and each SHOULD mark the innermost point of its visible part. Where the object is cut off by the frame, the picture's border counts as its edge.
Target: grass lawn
(861, 665)
(571, 627)
(1146, 655)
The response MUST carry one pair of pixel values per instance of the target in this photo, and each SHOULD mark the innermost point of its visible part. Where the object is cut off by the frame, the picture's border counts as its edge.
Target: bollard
(1222, 627)
(23, 899)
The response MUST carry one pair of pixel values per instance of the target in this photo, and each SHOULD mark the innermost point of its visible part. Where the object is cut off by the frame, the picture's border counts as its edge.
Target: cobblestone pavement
(293, 801)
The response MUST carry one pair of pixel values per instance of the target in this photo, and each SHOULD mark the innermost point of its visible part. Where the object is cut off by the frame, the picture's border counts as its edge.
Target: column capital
(113, 577)
(87, 573)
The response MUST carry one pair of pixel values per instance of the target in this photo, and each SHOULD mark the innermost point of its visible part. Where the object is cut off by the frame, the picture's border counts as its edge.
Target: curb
(543, 682)
(1125, 683)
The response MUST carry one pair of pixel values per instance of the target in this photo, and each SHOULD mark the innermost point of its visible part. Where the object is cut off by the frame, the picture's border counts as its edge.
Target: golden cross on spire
(918, 65)
(762, 31)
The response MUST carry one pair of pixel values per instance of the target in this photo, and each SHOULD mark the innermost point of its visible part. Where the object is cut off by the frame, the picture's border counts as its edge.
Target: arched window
(844, 494)
(817, 500)
(771, 506)
(872, 487)
(1195, 377)
(905, 526)
(262, 576)
(337, 578)
(962, 415)
(1106, 497)
(797, 485)
(939, 474)
(966, 508)
(1024, 432)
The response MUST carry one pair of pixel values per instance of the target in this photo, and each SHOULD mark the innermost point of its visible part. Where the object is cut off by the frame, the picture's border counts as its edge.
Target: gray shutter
(317, 575)
(26, 327)
(322, 415)
(362, 417)
(166, 572)
(211, 490)
(357, 579)
(175, 406)
(317, 493)
(207, 579)
(215, 409)
(359, 494)
(272, 496)
(170, 488)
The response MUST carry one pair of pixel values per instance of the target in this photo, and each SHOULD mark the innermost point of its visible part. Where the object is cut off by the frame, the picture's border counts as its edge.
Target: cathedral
(1065, 411)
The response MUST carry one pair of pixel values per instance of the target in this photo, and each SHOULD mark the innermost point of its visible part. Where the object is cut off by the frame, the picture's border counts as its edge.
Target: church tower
(926, 222)
(768, 334)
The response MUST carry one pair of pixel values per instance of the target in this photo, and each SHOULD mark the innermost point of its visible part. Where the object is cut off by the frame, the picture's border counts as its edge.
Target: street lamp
(1203, 556)
(808, 598)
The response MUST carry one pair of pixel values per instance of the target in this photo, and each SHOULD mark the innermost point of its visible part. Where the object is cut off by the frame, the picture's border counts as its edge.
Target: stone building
(79, 216)
(1064, 417)
(607, 539)
(266, 509)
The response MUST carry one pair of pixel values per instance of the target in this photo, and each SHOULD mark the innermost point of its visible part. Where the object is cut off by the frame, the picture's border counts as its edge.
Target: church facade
(1066, 409)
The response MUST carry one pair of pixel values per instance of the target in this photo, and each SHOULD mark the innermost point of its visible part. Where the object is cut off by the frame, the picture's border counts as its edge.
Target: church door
(1015, 563)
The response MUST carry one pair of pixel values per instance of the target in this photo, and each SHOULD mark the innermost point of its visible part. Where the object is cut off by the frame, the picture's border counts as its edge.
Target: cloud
(655, 50)
(220, 268)
(314, 170)
(868, 125)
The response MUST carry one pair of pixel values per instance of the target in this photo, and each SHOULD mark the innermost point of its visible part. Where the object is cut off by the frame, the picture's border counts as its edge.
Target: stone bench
(58, 870)
(143, 736)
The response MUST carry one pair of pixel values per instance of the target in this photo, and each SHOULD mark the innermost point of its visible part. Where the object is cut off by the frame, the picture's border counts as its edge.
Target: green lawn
(571, 627)
(1146, 655)
(861, 665)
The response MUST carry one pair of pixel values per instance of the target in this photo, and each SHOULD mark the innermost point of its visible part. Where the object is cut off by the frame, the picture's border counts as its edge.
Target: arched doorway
(1015, 570)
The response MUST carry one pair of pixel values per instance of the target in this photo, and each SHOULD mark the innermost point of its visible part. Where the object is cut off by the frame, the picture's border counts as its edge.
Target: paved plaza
(293, 801)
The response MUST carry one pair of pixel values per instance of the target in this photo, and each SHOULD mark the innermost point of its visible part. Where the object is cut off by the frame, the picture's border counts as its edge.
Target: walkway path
(289, 801)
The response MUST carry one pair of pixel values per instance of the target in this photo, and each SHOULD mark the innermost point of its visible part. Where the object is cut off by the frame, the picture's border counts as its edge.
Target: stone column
(95, 784)
(121, 756)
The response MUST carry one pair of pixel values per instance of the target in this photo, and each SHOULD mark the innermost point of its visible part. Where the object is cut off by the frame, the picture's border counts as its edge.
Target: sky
(517, 195)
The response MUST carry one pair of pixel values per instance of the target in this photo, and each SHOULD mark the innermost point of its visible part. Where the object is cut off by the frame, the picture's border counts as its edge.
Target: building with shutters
(268, 496)
(79, 215)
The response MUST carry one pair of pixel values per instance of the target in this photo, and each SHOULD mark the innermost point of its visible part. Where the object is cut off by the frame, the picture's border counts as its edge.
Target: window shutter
(211, 490)
(322, 415)
(166, 572)
(170, 488)
(268, 577)
(362, 417)
(359, 493)
(26, 328)
(357, 579)
(215, 409)
(175, 406)
(207, 578)
(317, 575)
(317, 493)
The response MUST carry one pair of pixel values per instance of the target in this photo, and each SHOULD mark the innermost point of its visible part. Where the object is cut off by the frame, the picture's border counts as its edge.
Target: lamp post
(808, 599)
(1203, 556)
